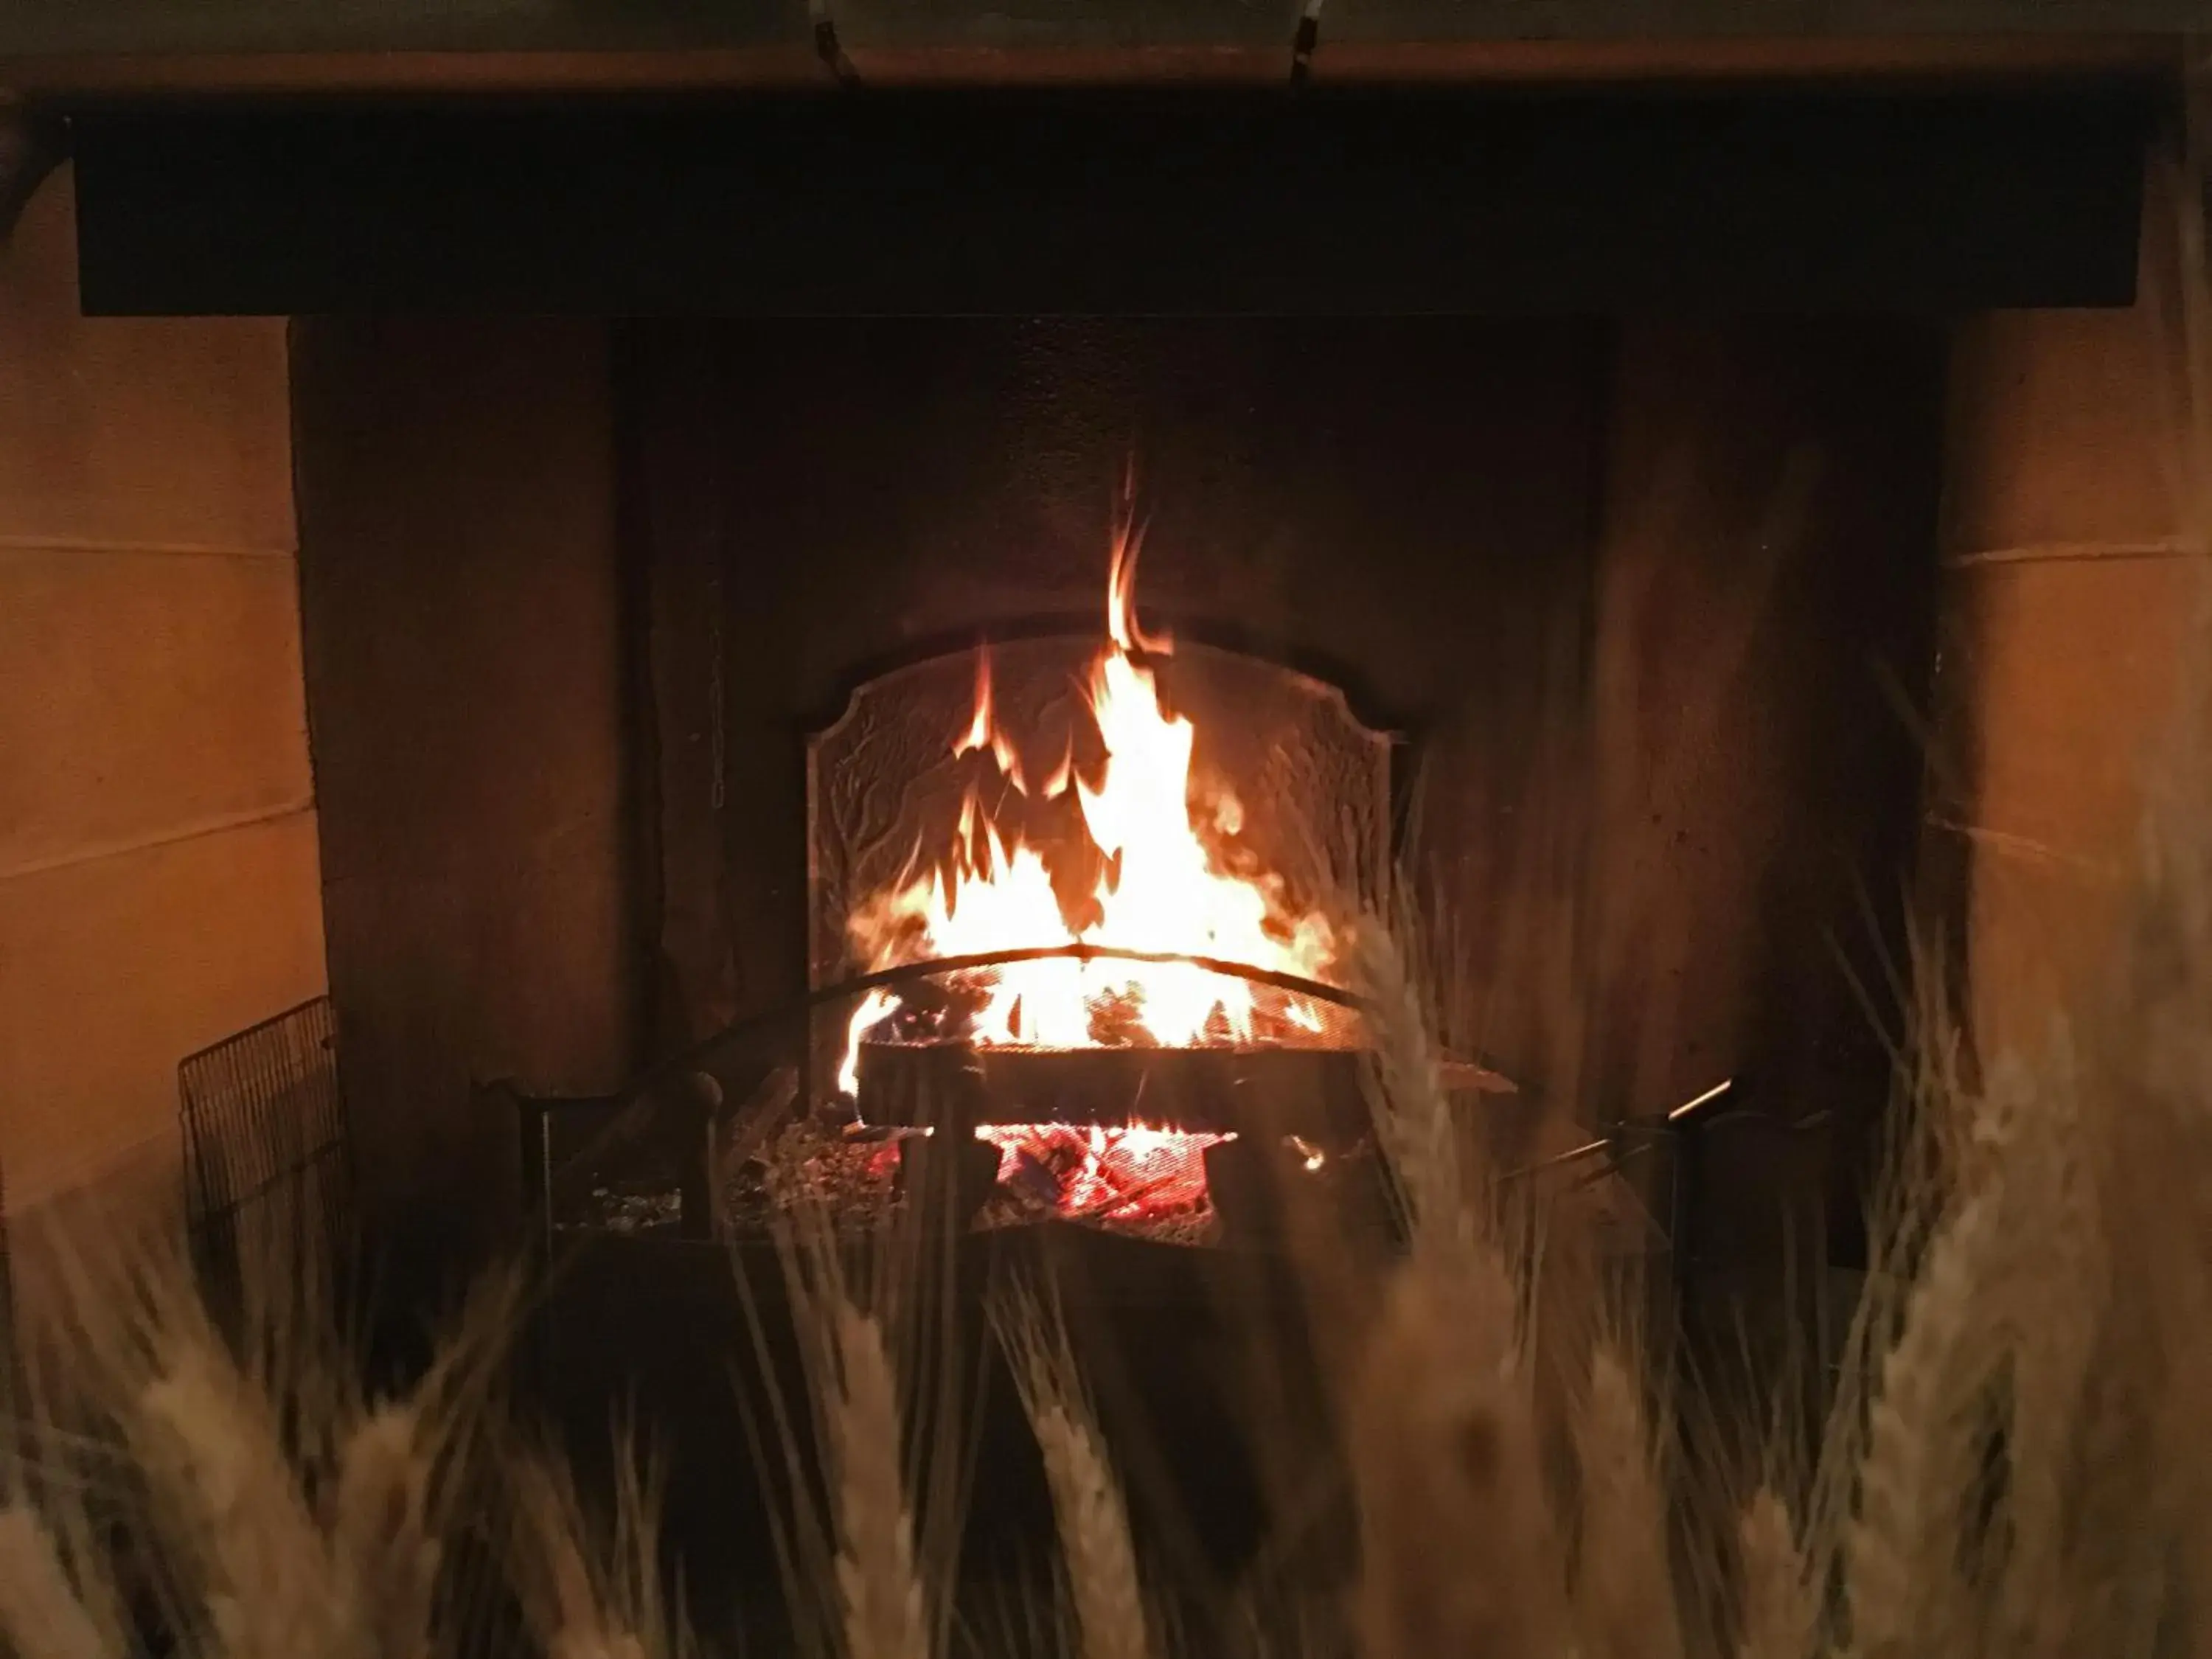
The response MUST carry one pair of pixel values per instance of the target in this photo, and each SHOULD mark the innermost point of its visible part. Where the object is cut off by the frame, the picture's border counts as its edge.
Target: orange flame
(1160, 890)
(1121, 596)
(983, 733)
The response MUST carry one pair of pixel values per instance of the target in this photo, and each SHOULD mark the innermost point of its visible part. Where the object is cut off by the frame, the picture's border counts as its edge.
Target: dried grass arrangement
(2016, 1466)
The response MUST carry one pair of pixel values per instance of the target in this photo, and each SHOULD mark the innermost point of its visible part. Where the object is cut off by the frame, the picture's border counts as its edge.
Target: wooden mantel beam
(88, 49)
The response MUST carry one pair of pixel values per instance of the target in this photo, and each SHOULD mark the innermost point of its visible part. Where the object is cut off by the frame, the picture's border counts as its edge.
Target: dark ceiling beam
(128, 47)
(1211, 201)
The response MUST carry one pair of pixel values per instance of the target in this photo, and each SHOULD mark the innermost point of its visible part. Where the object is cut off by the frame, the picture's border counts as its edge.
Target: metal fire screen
(264, 1134)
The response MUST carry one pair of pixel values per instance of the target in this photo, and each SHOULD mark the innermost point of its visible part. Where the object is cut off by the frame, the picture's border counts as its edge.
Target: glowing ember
(1160, 887)
(1107, 1174)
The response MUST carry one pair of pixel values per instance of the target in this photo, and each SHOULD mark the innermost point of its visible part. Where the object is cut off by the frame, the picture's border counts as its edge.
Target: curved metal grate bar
(701, 1056)
(937, 967)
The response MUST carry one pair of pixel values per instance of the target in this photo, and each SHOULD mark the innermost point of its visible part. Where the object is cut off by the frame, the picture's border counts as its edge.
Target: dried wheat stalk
(40, 1612)
(233, 1506)
(380, 1530)
(553, 1571)
(878, 1588)
(588, 1590)
(1459, 1551)
(1777, 1616)
(1907, 1596)
(1112, 1621)
(1094, 1537)
(1404, 1081)
(1625, 1591)
(2047, 1314)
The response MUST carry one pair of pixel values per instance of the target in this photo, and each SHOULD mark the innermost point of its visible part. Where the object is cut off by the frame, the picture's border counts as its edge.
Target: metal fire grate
(265, 1165)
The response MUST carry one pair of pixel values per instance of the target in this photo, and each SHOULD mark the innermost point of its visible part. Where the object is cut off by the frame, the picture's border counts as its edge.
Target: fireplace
(1409, 629)
(1104, 1076)
(818, 673)
(642, 657)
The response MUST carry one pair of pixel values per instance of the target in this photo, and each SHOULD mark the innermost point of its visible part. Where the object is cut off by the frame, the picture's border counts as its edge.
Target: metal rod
(1296, 984)
(694, 1058)
(1697, 1101)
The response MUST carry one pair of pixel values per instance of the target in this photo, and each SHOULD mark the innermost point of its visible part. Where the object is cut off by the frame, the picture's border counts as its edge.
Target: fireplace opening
(1140, 986)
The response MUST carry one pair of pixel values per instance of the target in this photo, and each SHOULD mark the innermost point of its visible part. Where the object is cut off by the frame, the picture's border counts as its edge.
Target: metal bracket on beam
(1303, 42)
(829, 49)
(31, 146)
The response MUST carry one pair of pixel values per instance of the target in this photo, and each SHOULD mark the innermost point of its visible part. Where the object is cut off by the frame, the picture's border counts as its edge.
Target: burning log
(1121, 1135)
(1267, 1093)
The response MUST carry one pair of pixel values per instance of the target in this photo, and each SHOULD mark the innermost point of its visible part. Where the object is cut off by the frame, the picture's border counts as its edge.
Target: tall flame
(1160, 889)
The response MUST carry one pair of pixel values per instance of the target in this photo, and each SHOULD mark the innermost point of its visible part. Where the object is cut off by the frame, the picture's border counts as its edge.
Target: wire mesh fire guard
(264, 1140)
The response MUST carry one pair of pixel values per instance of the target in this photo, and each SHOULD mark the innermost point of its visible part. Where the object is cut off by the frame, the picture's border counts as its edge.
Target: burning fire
(1106, 1174)
(1160, 887)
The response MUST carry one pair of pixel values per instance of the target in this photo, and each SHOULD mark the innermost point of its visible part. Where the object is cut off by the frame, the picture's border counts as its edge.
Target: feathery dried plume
(1926, 1427)
(40, 1612)
(1777, 1608)
(1624, 1591)
(1110, 1617)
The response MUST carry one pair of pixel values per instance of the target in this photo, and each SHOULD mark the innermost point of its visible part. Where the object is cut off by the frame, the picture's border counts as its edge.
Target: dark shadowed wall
(1766, 596)
(465, 667)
